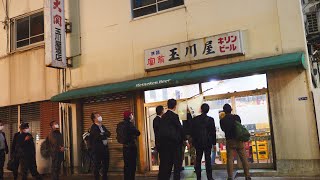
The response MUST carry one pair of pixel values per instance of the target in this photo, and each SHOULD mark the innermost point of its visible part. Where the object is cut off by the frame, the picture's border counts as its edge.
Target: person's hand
(214, 149)
(27, 138)
(62, 149)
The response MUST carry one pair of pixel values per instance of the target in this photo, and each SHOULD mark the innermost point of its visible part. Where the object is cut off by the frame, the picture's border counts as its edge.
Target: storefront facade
(109, 72)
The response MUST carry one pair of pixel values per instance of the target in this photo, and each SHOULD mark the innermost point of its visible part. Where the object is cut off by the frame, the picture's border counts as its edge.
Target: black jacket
(25, 146)
(55, 142)
(6, 149)
(156, 126)
(132, 132)
(228, 125)
(96, 137)
(203, 131)
(14, 144)
(171, 131)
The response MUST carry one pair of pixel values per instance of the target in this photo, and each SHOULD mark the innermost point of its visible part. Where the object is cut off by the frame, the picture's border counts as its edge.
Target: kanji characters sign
(196, 50)
(55, 40)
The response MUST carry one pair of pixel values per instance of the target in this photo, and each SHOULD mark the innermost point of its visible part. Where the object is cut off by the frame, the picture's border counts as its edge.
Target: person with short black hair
(56, 146)
(3, 148)
(130, 151)
(13, 156)
(171, 138)
(203, 135)
(156, 124)
(227, 124)
(27, 153)
(99, 135)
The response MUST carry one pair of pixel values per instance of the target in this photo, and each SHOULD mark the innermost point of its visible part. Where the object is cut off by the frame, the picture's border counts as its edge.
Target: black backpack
(121, 133)
(45, 149)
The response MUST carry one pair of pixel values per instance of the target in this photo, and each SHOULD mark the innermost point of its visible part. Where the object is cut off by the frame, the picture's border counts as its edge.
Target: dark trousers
(28, 163)
(16, 162)
(101, 160)
(170, 156)
(57, 159)
(2, 159)
(207, 154)
(130, 161)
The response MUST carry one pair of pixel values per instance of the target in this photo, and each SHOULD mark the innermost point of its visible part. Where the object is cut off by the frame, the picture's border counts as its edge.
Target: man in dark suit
(156, 124)
(13, 154)
(171, 138)
(204, 137)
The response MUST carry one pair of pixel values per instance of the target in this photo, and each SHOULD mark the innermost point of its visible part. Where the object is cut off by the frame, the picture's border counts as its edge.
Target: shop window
(179, 92)
(27, 30)
(145, 7)
(235, 85)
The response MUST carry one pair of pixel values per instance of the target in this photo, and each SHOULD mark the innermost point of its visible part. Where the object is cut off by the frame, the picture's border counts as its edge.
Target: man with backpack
(228, 125)
(127, 135)
(203, 137)
(171, 138)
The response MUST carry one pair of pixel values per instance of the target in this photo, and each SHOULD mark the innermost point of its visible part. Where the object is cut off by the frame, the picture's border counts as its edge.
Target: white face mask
(26, 130)
(56, 126)
(1, 128)
(100, 119)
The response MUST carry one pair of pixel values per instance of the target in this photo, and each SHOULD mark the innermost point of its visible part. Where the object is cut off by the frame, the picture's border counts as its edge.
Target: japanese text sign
(55, 40)
(210, 47)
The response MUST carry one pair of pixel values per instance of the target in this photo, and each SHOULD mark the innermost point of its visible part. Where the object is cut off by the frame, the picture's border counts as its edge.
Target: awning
(201, 75)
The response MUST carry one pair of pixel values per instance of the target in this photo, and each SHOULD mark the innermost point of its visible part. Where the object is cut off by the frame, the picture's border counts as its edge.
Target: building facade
(134, 55)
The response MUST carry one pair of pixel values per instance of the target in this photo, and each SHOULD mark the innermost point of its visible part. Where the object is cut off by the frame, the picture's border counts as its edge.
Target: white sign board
(194, 105)
(210, 47)
(55, 40)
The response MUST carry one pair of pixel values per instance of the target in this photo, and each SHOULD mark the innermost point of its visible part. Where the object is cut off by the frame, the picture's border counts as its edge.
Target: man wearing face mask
(98, 138)
(56, 146)
(3, 149)
(130, 147)
(13, 154)
(26, 152)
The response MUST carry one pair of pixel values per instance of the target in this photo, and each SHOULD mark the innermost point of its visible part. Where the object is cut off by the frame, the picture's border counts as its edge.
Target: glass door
(152, 151)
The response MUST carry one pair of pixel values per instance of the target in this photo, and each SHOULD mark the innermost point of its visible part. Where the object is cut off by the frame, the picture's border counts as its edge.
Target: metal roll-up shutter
(49, 111)
(9, 117)
(111, 109)
(30, 113)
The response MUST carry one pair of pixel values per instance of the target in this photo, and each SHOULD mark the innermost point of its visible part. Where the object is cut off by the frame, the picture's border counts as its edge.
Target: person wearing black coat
(99, 144)
(171, 138)
(130, 151)
(156, 124)
(204, 137)
(26, 152)
(3, 149)
(13, 155)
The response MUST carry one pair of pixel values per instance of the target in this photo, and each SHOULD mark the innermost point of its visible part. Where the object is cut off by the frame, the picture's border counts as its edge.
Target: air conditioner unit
(313, 22)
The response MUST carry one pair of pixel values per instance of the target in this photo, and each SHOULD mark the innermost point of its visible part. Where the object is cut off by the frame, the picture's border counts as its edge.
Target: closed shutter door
(49, 111)
(111, 109)
(9, 117)
(30, 113)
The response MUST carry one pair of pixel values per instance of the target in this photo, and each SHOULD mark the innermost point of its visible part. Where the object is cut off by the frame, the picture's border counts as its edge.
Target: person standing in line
(99, 135)
(3, 149)
(56, 147)
(26, 152)
(171, 140)
(204, 137)
(130, 151)
(156, 124)
(227, 124)
(13, 155)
